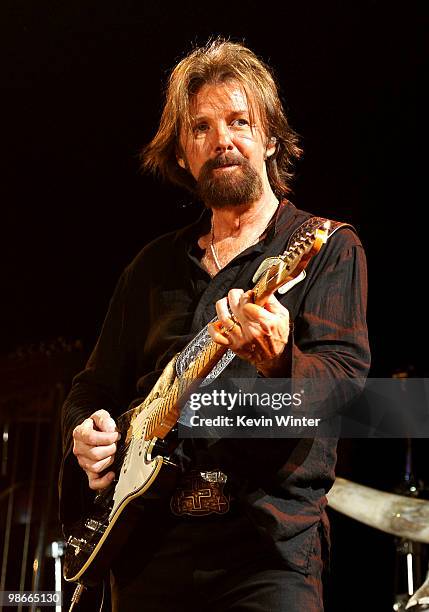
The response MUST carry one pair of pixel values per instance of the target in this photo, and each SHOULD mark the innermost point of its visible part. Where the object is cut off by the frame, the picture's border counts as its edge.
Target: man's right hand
(95, 447)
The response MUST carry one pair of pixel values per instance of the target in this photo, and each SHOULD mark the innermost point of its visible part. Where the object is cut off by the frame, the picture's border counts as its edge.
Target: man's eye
(240, 122)
(200, 128)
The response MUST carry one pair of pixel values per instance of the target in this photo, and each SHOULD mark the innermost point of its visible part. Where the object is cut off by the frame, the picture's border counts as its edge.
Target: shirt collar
(202, 226)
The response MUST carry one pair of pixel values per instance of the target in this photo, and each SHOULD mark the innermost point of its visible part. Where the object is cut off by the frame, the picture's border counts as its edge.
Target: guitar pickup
(95, 525)
(79, 544)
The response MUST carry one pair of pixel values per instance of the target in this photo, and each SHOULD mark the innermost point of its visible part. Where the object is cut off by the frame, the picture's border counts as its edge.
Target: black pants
(210, 564)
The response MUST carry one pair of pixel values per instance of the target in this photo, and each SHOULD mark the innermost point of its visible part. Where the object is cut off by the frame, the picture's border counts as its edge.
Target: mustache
(221, 161)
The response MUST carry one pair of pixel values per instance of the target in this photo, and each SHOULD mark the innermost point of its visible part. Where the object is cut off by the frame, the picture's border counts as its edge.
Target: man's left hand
(258, 335)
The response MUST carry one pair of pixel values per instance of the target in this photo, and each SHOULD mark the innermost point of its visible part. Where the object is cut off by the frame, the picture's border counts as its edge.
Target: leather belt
(201, 493)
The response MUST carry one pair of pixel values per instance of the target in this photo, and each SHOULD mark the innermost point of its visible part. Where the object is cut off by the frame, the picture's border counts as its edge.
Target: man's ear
(271, 147)
(180, 157)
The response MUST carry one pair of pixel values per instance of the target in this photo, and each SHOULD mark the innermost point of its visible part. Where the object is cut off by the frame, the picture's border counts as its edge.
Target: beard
(236, 187)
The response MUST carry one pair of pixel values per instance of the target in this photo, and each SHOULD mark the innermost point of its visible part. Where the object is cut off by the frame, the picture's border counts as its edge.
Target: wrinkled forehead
(222, 98)
(219, 98)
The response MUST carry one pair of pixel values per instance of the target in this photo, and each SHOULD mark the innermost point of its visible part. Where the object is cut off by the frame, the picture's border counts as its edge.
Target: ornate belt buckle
(201, 493)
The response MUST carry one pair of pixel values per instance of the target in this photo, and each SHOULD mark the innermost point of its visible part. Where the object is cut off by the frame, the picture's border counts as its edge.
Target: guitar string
(177, 392)
(196, 365)
(166, 405)
(140, 428)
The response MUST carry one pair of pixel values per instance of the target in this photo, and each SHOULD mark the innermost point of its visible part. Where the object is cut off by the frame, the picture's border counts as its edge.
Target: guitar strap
(308, 226)
(190, 352)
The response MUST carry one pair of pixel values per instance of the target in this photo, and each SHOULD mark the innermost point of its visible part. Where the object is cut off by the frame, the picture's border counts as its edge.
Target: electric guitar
(144, 465)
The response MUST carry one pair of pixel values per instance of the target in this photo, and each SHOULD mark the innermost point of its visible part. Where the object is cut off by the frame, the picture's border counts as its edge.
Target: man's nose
(223, 141)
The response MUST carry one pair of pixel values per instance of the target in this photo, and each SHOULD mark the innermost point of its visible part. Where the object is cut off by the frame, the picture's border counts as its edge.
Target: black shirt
(165, 296)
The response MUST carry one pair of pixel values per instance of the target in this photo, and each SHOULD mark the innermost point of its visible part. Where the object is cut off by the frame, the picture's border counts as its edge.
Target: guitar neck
(280, 271)
(167, 412)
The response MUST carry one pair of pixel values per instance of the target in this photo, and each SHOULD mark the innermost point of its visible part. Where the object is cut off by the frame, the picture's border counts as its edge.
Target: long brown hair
(219, 61)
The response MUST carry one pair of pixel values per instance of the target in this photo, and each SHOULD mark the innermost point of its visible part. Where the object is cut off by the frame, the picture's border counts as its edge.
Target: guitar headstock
(289, 265)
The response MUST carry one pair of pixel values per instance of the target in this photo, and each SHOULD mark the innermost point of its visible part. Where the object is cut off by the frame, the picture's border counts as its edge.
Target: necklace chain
(213, 248)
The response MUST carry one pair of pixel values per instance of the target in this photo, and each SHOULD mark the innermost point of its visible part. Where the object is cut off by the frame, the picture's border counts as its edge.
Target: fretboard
(282, 270)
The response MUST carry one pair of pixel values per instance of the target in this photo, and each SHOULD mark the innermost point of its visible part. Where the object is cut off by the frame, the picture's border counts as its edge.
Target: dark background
(82, 92)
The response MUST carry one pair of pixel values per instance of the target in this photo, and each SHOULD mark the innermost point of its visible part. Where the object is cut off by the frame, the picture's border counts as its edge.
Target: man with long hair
(224, 136)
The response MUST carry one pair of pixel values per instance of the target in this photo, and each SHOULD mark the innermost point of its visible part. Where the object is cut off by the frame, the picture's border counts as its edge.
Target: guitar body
(142, 462)
(102, 531)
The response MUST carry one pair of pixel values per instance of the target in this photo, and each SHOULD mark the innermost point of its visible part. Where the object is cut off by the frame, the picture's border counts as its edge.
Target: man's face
(224, 152)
